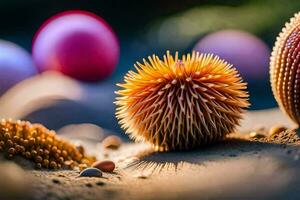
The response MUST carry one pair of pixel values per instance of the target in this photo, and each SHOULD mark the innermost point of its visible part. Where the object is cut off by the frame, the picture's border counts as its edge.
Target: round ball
(15, 65)
(78, 44)
(181, 103)
(249, 54)
(285, 69)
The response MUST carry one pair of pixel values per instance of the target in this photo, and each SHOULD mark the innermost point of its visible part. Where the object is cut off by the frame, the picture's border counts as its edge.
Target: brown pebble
(112, 142)
(276, 130)
(142, 177)
(100, 183)
(56, 181)
(88, 185)
(105, 166)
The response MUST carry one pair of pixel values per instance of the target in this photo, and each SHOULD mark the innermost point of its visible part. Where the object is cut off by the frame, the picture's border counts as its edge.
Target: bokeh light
(76, 43)
(15, 65)
(247, 53)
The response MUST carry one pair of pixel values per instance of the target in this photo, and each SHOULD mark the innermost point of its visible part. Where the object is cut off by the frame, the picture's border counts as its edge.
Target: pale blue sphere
(15, 65)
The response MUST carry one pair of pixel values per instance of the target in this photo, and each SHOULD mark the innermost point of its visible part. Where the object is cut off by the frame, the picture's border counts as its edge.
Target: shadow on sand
(232, 148)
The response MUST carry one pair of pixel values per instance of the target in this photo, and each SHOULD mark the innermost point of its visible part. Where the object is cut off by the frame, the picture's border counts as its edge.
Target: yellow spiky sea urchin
(181, 104)
(285, 69)
(37, 143)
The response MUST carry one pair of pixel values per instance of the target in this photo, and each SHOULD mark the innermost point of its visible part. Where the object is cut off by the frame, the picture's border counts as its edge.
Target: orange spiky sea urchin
(285, 69)
(181, 104)
(37, 143)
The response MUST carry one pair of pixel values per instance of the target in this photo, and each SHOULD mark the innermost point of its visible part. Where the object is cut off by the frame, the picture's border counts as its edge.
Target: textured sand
(239, 167)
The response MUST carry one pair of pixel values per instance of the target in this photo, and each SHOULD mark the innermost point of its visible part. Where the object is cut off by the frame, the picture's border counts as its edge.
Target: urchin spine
(181, 104)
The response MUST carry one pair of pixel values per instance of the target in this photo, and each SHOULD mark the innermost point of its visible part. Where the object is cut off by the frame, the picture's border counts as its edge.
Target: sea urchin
(285, 69)
(181, 104)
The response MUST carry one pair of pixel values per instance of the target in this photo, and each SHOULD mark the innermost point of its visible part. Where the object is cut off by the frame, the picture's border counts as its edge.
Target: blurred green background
(150, 26)
(145, 27)
(149, 20)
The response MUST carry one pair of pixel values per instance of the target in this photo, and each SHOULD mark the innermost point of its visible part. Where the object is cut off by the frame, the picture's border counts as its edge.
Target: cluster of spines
(181, 104)
(284, 69)
(37, 143)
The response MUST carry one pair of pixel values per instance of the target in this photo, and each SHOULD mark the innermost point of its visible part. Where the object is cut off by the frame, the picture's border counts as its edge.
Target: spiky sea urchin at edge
(285, 69)
(181, 104)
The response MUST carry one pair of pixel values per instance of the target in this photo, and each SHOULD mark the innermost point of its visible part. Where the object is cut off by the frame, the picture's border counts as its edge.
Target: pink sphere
(249, 54)
(78, 44)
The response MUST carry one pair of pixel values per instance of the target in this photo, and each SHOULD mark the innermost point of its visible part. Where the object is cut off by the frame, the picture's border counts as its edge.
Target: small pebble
(56, 181)
(105, 166)
(276, 130)
(88, 185)
(100, 183)
(91, 172)
(256, 135)
(296, 157)
(142, 176)
(112, 142)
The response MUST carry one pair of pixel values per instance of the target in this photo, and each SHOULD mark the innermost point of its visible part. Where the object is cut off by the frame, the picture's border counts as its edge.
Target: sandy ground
(238, 168)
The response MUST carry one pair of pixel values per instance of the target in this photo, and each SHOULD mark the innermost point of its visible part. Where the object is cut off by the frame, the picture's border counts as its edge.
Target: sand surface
(240, 167)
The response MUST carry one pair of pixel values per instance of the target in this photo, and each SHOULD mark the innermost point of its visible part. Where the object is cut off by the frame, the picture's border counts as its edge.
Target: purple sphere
(78, 44)
(248, 54)
(15, 65)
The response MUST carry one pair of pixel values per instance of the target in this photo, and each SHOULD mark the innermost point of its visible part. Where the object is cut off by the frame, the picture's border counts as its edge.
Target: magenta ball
(249, 54)
(16, 65)
(78, 44)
